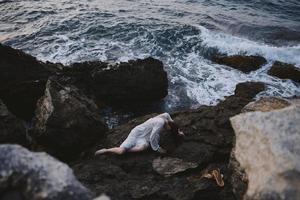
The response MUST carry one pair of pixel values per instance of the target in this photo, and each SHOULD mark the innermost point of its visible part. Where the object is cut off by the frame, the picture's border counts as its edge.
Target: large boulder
(285, 71)
(147, 175)
(22, 80)
(136, 81)
(267, 151)
(12, 130)
(25, 175)
(245, 64)
(66, 121)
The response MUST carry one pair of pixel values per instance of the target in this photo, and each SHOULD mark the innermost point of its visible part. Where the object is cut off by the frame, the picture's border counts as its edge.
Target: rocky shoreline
(47, 107)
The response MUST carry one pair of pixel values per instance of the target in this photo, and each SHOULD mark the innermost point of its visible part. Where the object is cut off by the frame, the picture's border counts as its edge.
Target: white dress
(147, 132)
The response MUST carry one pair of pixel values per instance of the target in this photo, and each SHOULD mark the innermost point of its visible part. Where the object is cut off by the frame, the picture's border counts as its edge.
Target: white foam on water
(207, 83)
(231, 45)
(204, 82)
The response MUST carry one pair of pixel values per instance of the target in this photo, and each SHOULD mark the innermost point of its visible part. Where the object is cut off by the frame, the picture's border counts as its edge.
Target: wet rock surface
(267, 150)
(285, 71)
(66, 121)
(245, 64)
(25, 175)
(136, 81)
(208, 144)
(22, 80)
(12, 130)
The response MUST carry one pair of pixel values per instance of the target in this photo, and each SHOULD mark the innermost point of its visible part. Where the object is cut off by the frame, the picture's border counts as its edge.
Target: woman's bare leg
(138, 148)
(121, 150)
(115, 150)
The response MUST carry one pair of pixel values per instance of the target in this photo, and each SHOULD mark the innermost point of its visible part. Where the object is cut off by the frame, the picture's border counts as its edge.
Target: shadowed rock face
(245, 64)
(22, 80)
(285, 71)
(36, 176)
(267, 150)
(207, 145)
(12, 130)
(132, 82)
(66, 121)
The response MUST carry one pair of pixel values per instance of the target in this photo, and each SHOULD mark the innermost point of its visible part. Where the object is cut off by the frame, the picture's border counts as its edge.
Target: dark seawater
(181, 33)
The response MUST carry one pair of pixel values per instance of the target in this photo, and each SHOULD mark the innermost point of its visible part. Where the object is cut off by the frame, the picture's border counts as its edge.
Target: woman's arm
(154, 137)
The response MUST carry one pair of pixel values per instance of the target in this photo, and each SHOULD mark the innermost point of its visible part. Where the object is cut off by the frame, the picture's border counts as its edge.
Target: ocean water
(184, 34)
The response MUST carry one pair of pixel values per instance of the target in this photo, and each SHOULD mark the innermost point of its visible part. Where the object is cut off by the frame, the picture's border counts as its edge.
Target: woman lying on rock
(145, 135)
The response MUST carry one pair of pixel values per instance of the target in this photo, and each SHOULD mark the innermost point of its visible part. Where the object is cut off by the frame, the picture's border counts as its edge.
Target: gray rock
(267, 147)
(12, 130)
(66, 121)
(37, 176)
(266, 104)
(168, 166)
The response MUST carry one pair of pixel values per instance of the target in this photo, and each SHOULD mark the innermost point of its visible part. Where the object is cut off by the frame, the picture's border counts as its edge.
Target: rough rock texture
(285, 71)
(37, 176)
(66, 121)
(245, 64)
(168, 166)
(208, 144)
(266, 104)
(131, 82)
(22, 80)
(12, 130)
(238, 177)
(267, 147)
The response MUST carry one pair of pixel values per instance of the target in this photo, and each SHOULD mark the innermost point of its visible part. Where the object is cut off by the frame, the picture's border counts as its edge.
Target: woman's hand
(180, 133)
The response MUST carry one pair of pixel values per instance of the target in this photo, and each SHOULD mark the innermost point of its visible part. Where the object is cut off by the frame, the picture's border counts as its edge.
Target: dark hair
(174, 128)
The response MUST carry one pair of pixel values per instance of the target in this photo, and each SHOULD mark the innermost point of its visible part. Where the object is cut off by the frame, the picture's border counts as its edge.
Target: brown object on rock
(245, 64)
(285, 71)
(216, 175)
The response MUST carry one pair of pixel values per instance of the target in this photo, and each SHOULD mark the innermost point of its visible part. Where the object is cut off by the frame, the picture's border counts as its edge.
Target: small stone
(168, 166)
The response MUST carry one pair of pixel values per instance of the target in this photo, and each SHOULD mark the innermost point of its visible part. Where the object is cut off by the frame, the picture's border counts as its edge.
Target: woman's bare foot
(101, 151)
